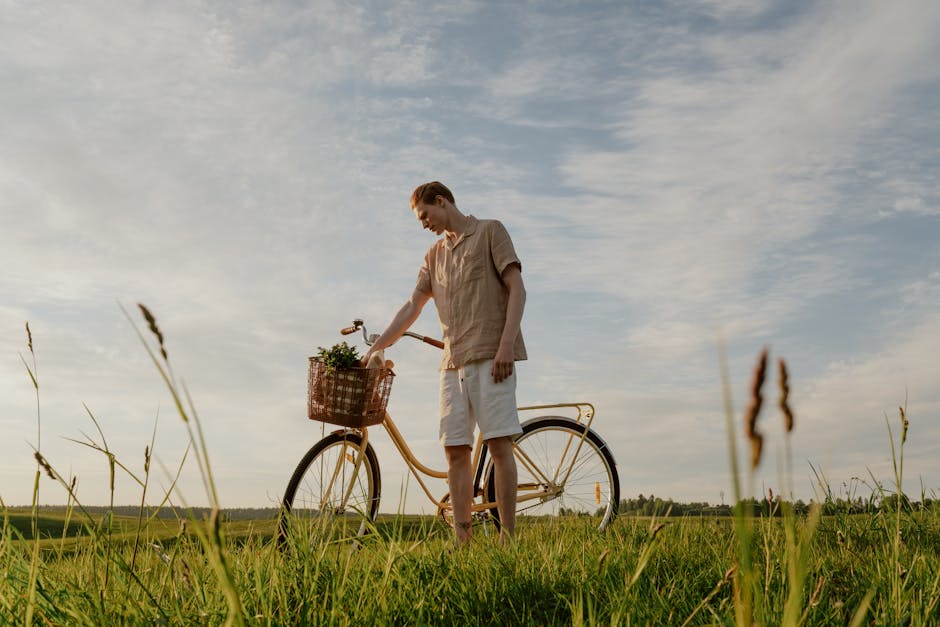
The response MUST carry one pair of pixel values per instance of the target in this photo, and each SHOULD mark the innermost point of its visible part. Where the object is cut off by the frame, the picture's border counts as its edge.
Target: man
(475, 279)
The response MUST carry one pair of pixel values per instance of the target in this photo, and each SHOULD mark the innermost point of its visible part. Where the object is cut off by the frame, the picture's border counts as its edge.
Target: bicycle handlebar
(427, 340)
(370, 339)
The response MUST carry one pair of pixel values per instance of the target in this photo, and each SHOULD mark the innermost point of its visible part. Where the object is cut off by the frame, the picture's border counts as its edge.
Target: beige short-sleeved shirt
(464, 278)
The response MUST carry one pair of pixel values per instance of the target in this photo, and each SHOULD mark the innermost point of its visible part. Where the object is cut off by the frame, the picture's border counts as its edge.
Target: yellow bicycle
(564, 467)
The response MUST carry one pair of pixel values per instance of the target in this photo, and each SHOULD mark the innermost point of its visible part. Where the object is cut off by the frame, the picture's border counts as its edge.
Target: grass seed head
(753, 409)
(785, 395)
(29, 338)
(45, 465)
(757, 447)
(904, 425)
(152, 324)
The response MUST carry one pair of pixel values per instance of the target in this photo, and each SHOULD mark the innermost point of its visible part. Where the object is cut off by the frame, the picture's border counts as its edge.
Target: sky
(680, 179)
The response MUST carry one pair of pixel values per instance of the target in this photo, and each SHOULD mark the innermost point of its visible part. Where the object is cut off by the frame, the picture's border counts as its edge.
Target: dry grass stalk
(602, 559)
(785, 395)
(814, 598)
(753, 410)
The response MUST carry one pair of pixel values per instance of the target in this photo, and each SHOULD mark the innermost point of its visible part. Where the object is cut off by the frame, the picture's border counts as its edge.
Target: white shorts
(469, 397)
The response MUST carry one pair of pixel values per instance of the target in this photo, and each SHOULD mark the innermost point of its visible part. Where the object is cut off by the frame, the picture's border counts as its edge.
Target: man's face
(431, 216)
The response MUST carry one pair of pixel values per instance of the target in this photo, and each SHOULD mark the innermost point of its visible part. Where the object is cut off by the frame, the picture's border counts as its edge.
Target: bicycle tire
(305, 508)
(592, 487)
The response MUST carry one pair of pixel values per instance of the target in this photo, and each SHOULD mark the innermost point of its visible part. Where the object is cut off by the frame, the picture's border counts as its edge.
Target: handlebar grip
(433, 342)
(349, 330)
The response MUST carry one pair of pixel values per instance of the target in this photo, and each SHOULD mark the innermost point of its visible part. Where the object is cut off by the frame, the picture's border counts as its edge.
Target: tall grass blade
(212, 539)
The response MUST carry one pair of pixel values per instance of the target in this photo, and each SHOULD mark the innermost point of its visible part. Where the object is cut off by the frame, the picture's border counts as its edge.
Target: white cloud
(729, 168)
(844, 409)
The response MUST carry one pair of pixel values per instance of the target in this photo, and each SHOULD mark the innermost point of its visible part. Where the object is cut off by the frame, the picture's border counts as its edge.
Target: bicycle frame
(418, 470)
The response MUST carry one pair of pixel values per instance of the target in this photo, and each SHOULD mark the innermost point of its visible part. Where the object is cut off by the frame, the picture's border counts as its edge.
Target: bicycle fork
(347, 454)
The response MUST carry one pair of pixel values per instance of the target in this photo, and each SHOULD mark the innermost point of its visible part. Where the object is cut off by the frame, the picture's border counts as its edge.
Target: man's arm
(504, 361)
(400, 323)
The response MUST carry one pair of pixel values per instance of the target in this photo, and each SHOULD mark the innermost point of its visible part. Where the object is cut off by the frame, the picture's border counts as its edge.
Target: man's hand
(503, 364)
(403, 319)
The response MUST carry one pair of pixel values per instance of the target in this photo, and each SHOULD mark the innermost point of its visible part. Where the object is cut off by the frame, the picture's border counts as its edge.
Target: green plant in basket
(339, 357)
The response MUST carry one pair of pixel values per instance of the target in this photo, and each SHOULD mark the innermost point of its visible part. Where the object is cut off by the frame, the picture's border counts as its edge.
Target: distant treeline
(168, 513)
(655, 506)
(640, 506)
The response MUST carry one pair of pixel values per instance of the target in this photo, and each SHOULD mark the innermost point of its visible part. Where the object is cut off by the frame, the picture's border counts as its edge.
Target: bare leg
(459, 480)
(504, 463)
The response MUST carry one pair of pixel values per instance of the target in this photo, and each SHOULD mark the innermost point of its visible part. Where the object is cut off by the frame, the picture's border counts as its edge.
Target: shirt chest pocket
(471, 268)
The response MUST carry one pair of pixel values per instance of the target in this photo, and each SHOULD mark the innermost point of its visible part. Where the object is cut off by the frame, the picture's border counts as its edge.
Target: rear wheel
(564, 470)
(334, 491)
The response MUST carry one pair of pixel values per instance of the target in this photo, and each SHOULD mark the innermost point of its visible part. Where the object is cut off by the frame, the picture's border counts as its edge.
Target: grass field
(788, 567)
(560, 571)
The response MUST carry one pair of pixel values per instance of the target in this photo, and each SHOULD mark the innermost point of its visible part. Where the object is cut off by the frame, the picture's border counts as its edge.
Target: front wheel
(564, 470)
(333, 493)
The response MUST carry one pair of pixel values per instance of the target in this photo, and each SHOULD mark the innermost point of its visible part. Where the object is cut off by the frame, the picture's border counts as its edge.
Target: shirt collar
(470, 230)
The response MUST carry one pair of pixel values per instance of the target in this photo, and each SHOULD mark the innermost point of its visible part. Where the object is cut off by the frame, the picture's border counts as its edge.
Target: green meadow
(770, 562)
(646, 571)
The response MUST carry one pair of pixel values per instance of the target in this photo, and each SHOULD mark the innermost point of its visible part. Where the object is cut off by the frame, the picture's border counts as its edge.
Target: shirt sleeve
(501, 248)
(424, 276)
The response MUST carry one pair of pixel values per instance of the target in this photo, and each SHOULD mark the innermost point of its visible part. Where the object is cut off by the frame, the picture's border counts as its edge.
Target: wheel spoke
(334, 490)
(555, 450)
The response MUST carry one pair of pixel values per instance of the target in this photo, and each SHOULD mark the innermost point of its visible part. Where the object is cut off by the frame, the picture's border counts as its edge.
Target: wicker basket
(351, 397)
